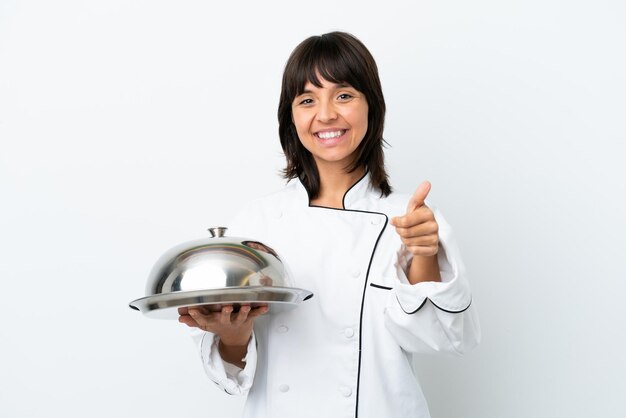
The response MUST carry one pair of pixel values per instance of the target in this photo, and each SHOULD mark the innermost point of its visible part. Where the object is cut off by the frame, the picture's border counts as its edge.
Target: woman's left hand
(418, 228)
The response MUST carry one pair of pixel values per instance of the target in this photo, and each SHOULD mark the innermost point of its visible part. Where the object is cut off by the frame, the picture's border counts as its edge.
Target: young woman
(384, 267)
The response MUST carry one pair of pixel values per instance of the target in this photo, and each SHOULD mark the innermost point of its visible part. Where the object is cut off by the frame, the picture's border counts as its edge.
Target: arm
(419, 230)
(225, 339)
(226, 343)
(433, 315)
(233, 329)
(234, 354)
(423, 269)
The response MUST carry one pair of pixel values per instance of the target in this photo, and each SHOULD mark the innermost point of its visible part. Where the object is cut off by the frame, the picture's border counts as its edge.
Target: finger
(418, 197)
(225, 315)
(202, 309)
(195, 310)
(424, 240)
(418, 216)
(261, 310)
(198, 317)
(242, 315)
(183, 311)
(420, 229)
(188, 320)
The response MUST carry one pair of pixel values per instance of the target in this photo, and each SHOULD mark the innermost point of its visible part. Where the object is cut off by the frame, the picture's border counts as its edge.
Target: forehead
(320, 74)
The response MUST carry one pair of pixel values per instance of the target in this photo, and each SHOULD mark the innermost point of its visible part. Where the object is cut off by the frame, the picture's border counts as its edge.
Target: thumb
(418, 197)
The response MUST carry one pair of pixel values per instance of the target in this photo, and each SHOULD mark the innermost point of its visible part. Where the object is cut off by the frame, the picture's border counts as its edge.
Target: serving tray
(165, 306)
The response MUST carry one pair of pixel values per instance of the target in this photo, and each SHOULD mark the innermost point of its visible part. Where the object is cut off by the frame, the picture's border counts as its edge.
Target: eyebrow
(339, 86)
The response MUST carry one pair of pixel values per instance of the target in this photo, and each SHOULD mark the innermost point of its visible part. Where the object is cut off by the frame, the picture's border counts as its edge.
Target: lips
(329, 138)
(330, 134)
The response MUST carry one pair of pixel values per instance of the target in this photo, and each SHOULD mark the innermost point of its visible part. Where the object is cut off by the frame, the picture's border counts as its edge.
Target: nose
(326, 112)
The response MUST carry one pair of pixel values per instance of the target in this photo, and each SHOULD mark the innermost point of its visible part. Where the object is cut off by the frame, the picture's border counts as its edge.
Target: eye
(303, 102)
(345, 96)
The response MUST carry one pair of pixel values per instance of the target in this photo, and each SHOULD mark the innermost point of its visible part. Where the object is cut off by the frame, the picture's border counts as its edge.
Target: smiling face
(331, 122)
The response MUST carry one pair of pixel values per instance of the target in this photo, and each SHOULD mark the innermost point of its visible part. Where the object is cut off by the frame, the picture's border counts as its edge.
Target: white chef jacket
(346, 352)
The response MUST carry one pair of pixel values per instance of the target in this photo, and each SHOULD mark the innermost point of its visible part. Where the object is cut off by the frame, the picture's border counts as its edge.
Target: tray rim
(142, 304)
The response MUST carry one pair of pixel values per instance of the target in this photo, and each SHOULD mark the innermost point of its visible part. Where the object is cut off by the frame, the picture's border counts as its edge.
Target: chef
(384, 268)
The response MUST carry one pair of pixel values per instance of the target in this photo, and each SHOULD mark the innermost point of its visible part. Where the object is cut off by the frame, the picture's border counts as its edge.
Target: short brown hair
(338, 57)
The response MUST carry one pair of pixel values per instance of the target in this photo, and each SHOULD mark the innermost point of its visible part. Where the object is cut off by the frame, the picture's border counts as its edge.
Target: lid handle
(217, 231)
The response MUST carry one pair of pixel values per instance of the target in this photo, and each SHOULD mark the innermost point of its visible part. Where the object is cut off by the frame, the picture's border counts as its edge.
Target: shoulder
(277, 199)
(394, 204)
(255, 213)
(397, 199)
(397, 202)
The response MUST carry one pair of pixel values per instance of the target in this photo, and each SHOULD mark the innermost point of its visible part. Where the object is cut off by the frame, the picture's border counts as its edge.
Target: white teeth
(329, 135)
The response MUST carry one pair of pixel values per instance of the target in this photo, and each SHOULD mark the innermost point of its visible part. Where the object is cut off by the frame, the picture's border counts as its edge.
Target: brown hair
(337, 57)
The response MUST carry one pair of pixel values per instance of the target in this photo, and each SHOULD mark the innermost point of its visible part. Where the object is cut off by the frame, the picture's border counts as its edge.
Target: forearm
(424, 269)
(233, 354)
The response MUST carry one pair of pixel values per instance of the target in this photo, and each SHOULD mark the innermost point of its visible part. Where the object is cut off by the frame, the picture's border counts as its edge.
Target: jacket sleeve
(230, 378)
(432, 317)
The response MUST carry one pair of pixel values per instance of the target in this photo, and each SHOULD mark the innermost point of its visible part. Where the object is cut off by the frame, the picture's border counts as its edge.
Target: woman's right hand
(233, 328)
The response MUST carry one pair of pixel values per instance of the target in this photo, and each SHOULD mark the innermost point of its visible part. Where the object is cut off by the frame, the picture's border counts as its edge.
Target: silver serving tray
(165, 306)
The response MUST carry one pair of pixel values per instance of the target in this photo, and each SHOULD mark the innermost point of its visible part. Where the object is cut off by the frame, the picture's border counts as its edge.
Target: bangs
(323, 59)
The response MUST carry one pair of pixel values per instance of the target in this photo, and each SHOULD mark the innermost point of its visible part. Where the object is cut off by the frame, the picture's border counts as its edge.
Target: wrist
(424, 269)
(233, 354)
(234, 342)
(230, 345)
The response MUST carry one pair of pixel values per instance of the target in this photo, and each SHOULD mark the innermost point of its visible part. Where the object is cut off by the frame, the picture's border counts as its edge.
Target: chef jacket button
(345, 391)
(376, 220)
(356, 273)
(283, 328)
(283, 388)
(348, 332)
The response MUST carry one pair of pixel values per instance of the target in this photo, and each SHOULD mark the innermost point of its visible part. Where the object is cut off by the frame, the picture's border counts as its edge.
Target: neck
(334, 183)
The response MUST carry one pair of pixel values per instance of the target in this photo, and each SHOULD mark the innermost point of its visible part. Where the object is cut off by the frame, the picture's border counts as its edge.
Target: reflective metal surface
(166, 306)
(215, 271)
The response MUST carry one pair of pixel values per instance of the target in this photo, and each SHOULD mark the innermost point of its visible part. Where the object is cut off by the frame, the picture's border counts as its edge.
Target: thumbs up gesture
(418, 228)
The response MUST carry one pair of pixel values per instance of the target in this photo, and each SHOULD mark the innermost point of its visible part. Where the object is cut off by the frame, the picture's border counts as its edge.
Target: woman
(384, 268)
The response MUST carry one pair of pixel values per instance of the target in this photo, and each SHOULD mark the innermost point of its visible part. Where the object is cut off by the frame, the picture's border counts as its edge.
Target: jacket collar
(356, 192)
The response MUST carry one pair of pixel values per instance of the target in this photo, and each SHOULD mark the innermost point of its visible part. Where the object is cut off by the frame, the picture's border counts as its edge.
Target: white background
(127, 127)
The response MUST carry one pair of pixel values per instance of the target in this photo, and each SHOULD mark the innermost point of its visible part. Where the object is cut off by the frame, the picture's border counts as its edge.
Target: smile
(330, 134)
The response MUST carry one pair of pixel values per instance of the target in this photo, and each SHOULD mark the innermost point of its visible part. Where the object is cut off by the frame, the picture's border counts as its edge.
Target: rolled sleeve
(232, 379)
(434, 316)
